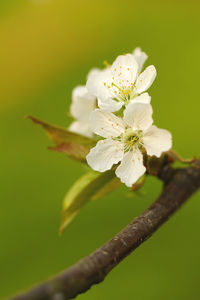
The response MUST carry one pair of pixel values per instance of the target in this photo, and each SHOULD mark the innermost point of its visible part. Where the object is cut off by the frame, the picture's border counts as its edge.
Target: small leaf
(73, 150)
(72, 144)
(110, 186)
(84, 189)
(174, 156)
(136, 186)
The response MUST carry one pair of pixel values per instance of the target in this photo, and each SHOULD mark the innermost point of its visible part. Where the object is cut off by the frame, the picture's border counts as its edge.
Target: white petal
(83, 103)
(105, 154)
(92, 82)
(124, 68)
(106, 124)
(98, 82)
(93, 71)
(143, 98)
(109, 105)
(157, 140)
(81, 127)
(138, 115)
(140, 57)
(131, 167)
(145, 79)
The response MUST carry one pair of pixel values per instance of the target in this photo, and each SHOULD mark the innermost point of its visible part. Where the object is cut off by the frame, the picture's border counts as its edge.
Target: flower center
(131, 139)
(121, 88)
(122, 91)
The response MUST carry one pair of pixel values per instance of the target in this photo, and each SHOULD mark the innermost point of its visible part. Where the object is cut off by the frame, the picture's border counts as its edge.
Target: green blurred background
(47, 48)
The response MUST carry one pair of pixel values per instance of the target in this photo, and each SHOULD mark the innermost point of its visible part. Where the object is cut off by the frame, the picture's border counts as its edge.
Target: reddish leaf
(72, 144)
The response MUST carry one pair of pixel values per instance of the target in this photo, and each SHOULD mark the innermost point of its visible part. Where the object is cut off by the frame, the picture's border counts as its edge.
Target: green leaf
(111, 185)
(74, 145)
(92, 185)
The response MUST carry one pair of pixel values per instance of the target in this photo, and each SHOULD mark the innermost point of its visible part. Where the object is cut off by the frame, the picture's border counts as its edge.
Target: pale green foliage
(91, 185)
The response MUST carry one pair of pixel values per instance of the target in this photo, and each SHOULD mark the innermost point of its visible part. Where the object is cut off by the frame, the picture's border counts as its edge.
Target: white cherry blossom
(125, 140)
(140, 57)
(122, 83)
(82, 105)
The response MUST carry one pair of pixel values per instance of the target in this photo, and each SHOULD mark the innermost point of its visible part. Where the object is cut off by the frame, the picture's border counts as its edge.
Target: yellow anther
(106, 63)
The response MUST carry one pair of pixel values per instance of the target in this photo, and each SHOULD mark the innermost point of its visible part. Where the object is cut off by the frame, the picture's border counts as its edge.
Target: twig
(179, 185)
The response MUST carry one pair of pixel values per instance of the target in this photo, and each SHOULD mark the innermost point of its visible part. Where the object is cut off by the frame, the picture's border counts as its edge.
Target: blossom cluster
(115, 108)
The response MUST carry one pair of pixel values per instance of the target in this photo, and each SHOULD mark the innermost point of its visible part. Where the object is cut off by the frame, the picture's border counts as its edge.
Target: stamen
(113, 84)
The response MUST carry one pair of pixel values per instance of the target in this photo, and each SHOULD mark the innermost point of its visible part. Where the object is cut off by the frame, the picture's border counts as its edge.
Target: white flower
(124, 141)
(140, 57)
(82, 105)
(122, 83)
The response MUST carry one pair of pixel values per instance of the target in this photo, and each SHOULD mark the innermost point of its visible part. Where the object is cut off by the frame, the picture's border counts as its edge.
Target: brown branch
(179, 185)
